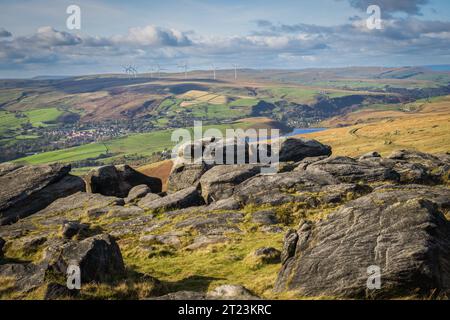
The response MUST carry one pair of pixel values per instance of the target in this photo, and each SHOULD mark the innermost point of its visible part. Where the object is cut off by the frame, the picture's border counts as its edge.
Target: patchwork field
(10, 121)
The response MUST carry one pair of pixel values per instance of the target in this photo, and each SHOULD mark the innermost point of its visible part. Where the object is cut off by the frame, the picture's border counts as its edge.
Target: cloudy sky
(35, 40)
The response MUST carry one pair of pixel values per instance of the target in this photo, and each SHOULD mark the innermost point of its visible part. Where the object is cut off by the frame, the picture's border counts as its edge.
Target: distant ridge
(50, 77)
(441, 67)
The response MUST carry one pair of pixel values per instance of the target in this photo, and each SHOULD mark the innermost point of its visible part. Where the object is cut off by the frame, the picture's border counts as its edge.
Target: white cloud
(154, 36)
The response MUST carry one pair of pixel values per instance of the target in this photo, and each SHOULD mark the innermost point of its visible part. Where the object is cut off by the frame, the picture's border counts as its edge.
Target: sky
(260, 34)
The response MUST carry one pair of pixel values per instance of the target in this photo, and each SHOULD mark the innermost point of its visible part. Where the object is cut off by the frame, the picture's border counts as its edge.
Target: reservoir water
(298, 131)
(295, 132)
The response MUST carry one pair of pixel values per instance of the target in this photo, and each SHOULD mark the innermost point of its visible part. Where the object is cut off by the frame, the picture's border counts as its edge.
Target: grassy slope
(427, 130)
(9, 121)
(40, 117)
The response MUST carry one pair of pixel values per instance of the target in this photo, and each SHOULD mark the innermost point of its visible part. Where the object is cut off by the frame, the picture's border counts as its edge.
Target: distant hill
(443, 67)
(50, 77)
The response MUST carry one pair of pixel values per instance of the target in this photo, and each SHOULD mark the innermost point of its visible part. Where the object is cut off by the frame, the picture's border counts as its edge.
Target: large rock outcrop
(307, 187)
(349, 170)
(218, 183)
(28, 189)
(214, 151)
(98, 257)
(413, 166)
(401, 230)
(186, 175)
(297, 149)
(119, 180)
(185, 198)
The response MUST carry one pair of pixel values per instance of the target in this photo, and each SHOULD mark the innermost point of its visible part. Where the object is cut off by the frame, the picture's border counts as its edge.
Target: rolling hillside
(426, 129)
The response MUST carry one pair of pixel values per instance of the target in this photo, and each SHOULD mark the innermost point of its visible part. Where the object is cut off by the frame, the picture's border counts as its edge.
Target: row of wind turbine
(132, 72)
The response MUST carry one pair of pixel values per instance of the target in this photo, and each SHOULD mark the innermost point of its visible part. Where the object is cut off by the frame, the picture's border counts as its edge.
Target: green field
(238, 108)
(10, 121)
(244, 102)
(42, 117)
(144, 144)
(217, 111)
(299, 95)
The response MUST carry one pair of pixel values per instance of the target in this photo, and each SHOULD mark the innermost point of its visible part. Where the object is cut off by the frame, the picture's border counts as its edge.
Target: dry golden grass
(197, 96)
(194, 94)
(426, 130)
(187, 104)
(159, 170)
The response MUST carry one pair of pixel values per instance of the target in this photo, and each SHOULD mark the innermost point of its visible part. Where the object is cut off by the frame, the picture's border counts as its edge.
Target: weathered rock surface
(228, 151)
(189, 197)
(171, 239)
(98, 257)
(224, 292)
(27, 276)
(73, 207)
(214, 151)
(231, 292)
(146, 201)
(411, 156)
(297, 149)
(297, 186)
(414, 166)
(186, 175)
(265, 217)
(212, 223)
(219, 182)
(366, 212)
(205, 241)
(119, 180)
(28, 189)
(302, 165)
(2, 244)
(403, 231)
(137, 193)
(349, 170)
(72, 228)
(225, 204)
(182, 295)
(30, 244)
(369, 156)
(56, 291)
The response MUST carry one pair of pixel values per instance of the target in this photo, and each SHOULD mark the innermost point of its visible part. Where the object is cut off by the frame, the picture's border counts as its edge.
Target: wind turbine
(158, 70)
(134, 71)
(185, 67)
(235, 71)
(151, 71)
(128, 70)
(214, 68)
